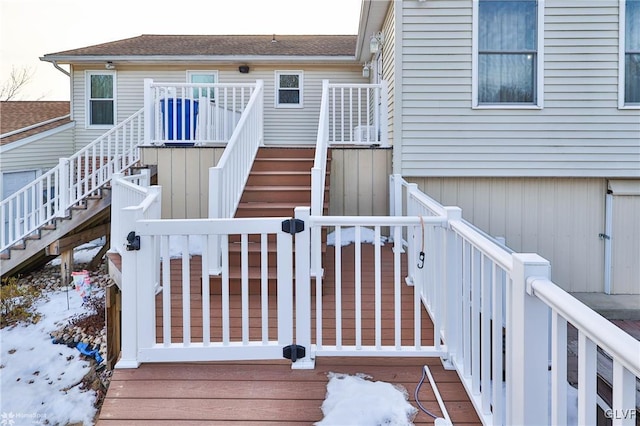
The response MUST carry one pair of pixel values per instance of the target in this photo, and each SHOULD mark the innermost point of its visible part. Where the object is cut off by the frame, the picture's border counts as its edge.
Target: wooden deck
(270, 392)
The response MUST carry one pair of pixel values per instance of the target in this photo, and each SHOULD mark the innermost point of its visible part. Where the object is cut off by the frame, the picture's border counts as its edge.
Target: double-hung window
(507, 52)
(288, 93)
(101, 100)
(630, 54)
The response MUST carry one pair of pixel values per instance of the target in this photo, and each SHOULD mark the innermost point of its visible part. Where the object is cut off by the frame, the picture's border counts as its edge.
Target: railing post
(116, 207)
(452, 282)
(260, 102)
(414, 239)
(215, 202)
(130, 273)
(64, 187)
(149, 113)
(527, 345)
(303, 290)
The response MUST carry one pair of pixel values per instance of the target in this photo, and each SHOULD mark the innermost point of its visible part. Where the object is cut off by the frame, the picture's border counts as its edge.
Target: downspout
(62, 70)
(608, 227)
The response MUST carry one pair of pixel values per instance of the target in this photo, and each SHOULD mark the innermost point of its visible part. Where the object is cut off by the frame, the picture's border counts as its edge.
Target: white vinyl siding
(41, 154)
(388, 65)
(281, 126)
(579, 133)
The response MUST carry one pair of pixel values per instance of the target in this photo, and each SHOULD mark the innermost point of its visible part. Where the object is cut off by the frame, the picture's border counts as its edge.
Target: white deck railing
(194, 113)
(134, 191)
(499, 321)
(490, 291)
(51, 195)
(357, 114)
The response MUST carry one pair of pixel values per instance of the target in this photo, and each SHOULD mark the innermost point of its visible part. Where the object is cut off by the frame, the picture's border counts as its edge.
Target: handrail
(230, 175)
(51, 195)
(612, 339)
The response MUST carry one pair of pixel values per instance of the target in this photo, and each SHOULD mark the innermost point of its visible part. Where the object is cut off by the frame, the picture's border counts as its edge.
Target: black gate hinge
(294, 352)
(292, 226)
(133, 241)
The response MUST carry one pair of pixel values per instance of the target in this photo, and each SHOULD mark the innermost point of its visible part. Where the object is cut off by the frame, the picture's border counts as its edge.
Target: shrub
(15, 302)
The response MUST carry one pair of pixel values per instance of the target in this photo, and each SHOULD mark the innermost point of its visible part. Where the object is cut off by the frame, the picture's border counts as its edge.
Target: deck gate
(176, 314)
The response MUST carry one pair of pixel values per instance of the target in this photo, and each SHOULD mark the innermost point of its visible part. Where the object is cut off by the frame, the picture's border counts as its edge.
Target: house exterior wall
(41, 154)
(538, 177)
(560, 219)
(282, 126)
(580, 132)
(625, 243)
(359, 182)
(183, 174)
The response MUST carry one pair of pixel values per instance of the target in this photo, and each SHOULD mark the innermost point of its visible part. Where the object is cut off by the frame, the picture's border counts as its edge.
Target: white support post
(624, 404)
(149, 112)
(64, 187)
(527, 345)
(303, 290)
(130, 273)
(215, 203)
(415, 240)
(145, 284)
(453, 261)
(116, 207)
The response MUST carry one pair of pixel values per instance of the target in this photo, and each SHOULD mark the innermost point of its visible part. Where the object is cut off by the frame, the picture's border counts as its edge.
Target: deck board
(270, 392)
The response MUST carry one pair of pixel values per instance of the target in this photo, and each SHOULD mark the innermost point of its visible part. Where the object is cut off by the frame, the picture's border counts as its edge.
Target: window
(101, 98)
(288, 89)
(208, 77)
(630, 53)
(507, 51)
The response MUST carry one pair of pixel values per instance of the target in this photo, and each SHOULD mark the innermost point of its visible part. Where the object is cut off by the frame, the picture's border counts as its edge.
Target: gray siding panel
(39, 155)
(580, 131)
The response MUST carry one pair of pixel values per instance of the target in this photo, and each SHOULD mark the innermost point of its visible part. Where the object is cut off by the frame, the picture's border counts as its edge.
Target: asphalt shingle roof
(219, 45)
(15, 115)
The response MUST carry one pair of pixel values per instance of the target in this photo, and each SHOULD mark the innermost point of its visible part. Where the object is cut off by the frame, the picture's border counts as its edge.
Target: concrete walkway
(612, 306)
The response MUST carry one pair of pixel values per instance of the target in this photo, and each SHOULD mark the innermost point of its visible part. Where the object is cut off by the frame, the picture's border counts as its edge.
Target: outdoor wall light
(110, 65)
(365, 69)
(375, 44)
(244, 69)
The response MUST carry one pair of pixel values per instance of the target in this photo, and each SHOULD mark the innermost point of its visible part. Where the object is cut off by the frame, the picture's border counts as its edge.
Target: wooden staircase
(32, 252)
(279, 181)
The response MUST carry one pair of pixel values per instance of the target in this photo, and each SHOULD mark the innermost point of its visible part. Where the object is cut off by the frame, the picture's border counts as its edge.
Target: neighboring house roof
(146, 47)
(21, 119)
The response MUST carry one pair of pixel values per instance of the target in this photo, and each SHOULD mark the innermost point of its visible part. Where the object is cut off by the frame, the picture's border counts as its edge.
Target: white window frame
(300, 75)
(539, 83)
(191, 73)
(622, 52)
(87, 91)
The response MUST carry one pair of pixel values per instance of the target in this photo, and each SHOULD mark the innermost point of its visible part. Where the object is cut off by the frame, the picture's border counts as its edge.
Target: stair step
(270, 178)
(288, 164)
(5, 255)
(284, 194)
(282, 152)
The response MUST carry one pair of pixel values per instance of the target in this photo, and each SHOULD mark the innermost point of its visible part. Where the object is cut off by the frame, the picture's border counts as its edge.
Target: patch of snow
(348, 236)
(83, 253)
(175, 246)
(40, 380)
(356, 400)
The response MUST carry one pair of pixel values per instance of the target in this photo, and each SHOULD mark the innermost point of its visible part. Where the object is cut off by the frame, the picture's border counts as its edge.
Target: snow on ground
(348, 236)
(40, 380)
(355, 400)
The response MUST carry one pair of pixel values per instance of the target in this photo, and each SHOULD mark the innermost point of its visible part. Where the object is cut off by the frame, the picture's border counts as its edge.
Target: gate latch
(294, 352)
(292, 226)
(133, 241)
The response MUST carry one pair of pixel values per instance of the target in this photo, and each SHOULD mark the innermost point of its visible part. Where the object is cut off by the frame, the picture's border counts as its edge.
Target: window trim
(622, 53)
(300, 75)
(87, 93)
(539, 80)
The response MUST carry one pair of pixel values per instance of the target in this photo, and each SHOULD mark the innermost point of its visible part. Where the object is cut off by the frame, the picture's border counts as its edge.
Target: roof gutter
(68, 59)
(33, 126)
